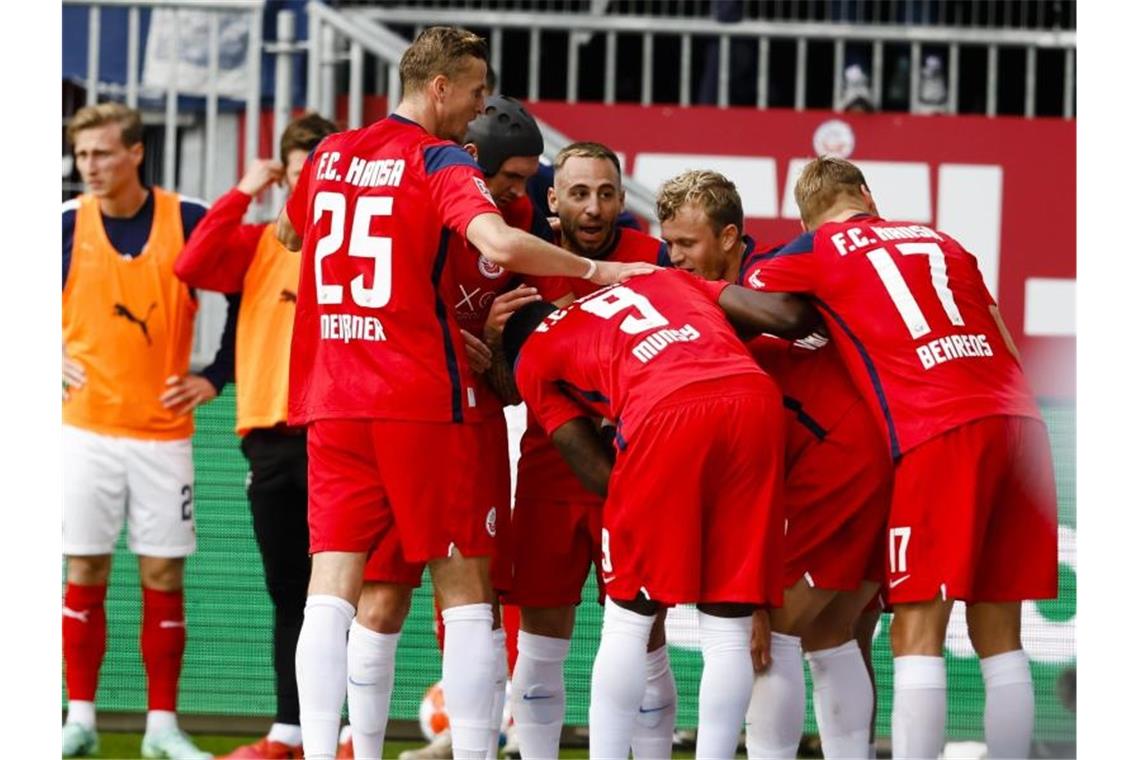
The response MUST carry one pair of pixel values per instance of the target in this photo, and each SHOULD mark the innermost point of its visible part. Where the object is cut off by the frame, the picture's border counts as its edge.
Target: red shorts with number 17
(370, 479)
(974, 515)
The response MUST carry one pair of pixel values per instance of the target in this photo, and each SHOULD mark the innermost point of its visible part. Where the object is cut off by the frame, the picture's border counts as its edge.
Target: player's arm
(753, 312)
(522, 252)
(218, 254)
(583, 448)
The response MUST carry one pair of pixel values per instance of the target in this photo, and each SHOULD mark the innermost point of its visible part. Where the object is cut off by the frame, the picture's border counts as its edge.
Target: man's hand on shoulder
(186, 393)
(612, 272)
(261, 174)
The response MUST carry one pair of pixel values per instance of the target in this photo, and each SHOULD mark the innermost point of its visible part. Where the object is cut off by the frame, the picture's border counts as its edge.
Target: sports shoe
(173, 744)
(264, 749)
(439, 747)
(344, 744)
(79, 740)
(511, 748)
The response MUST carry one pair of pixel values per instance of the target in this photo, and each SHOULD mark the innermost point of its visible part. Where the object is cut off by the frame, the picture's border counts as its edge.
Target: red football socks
(163, 642)
(84, 639)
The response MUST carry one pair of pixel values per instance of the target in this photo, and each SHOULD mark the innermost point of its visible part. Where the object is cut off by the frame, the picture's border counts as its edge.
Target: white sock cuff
(478, 612)
(843, 650)
(382, 641)
(617, 620)
(334, 602)
(499, 637)
(920, 672)
(786, 643)
(657, 662)
(543, 648)
(1006, 668)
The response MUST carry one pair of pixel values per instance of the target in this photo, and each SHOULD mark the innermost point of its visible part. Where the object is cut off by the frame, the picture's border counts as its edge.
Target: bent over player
(974, 510)
(659, 357)
(377, 371)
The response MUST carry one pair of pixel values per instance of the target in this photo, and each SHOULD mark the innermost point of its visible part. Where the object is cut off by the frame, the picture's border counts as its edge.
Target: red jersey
(373, 337)
(471, 283)
(618, 352)
(911, 316)
(542, 473)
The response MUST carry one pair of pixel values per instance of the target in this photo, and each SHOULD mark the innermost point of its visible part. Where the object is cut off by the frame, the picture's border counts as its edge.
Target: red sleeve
(297, 207)
(219, 251)
(549, 405)
(712, 288)
(783, 272)
(457, 186)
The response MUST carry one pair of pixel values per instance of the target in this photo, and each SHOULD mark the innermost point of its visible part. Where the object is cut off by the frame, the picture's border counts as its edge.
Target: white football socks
(776, 713)
(161, 721)
(657, 716)
(371, 672)
(726, 683)
(918, 717)
(538, 694)
(321, 672)
(1009, 704)
(468, 678)
(499, 698)
(843, 699)
(617, 682)
(81, 712)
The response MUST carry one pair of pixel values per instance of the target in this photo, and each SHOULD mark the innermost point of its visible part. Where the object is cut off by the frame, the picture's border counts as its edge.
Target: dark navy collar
(405, 120)
(749, 247)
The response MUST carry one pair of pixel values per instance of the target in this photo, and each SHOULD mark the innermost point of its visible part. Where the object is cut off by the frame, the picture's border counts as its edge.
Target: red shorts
(554, 544)
(837, 495)
(696, 505)
(370, 477)
(974, 515)
(491, 495)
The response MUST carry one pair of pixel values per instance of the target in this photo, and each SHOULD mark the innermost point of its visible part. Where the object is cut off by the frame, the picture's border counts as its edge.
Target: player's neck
(125, 203)
(732, 269)
(841, 215)
(415, 109)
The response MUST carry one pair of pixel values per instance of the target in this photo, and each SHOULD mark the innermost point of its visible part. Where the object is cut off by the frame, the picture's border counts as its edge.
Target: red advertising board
(1004, 187)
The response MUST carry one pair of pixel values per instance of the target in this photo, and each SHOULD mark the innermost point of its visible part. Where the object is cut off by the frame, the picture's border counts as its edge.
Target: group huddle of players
(786, 435)
(781, 435)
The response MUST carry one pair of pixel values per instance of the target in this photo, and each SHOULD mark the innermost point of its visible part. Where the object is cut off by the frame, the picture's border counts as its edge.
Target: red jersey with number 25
(619, 351)
(910, 313)
(373, 338)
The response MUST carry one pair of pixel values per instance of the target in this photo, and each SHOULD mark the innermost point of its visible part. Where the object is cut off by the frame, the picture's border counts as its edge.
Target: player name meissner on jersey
(349, 327)
(380, 172)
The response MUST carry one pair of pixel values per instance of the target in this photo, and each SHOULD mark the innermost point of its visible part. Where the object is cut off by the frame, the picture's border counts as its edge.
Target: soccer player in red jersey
(506, 142)
(378, 373)
(556, 522)
(974, 510)
(837, 494)
(659, 357)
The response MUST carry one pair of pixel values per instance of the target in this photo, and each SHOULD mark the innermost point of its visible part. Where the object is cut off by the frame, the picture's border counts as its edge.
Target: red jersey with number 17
(618, 352)
(373, 338)
(910, 313)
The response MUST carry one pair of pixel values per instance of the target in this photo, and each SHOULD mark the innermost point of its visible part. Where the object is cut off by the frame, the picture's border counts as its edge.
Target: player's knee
(552, 622)
(461, 580)
(89, 570)
(994, 629)
(920, 629)
(384, 607)
(161, 573)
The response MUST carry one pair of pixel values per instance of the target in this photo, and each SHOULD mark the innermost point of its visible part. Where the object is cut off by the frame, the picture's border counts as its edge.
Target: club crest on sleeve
(482, 187)
(490, 522)
(754, 279)
(489, 269)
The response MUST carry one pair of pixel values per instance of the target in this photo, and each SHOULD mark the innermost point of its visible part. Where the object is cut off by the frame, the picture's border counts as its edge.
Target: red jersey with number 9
(619, 351)
(373, 338)
(911, 316)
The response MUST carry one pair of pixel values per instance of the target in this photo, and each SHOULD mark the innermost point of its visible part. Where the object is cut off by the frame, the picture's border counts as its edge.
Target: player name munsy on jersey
(350, 327)
(380, 172)
(941, 350)
(653, 345)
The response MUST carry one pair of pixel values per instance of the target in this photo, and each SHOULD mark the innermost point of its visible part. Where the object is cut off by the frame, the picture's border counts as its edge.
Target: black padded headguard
(519, 327)
(504, 130)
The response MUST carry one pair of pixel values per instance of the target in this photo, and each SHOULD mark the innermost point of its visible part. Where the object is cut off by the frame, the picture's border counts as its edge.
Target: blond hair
(587, 150)
(823, 183)
(710, 191)
(101, 114)
(438, 50)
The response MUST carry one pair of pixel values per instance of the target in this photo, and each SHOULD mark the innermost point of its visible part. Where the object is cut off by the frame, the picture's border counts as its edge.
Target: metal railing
(336, 38)
(580, 25)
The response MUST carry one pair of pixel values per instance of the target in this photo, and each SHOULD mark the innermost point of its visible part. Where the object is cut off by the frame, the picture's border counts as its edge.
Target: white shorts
(107, 478)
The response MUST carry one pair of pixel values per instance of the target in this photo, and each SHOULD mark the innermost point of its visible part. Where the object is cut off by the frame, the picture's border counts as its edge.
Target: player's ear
(868, 199)
(552, 199)
(729, 237)
(472, 149)
(438, 87)
(136, 152)
(621, 197)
